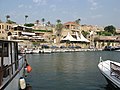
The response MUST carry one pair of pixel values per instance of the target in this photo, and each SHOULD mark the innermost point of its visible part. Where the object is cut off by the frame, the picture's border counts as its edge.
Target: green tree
(104, 33)
(29, 24)
(7, 17)
(110, 29)
(11, 22)
(84, 33)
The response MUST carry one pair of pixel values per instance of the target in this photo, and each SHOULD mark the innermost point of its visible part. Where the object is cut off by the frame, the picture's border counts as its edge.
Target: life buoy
(29, 68)
(22, 83)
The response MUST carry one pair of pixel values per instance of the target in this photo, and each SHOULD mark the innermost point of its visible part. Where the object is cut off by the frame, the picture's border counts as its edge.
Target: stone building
(72, 28)
(4, 29)
(102, 41)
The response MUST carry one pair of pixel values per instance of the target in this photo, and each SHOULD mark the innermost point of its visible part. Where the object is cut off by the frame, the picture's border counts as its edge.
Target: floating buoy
(29, 68)
(22, 83)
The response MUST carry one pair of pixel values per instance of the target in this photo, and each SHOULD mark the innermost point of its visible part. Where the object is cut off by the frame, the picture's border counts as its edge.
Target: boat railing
(8, 72)
(103, 65)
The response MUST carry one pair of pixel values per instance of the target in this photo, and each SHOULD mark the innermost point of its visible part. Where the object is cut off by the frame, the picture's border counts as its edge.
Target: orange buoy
(29, 68)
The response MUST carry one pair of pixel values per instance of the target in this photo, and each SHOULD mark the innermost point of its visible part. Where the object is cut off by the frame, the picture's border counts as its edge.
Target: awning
(78, 38)
(81, 38)
(27, 33)
(69, 38)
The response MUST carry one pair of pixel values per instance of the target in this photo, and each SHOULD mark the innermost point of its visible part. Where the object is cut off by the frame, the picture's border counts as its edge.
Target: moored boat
(36, 50)
(111, 48)
(111, 71)
(47, 50)
(12, 66)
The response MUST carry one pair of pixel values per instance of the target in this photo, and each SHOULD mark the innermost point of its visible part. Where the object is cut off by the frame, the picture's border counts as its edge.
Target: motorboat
(111, 48)
(47, 50)
(13, 66)
(36, 50)
(111, 71)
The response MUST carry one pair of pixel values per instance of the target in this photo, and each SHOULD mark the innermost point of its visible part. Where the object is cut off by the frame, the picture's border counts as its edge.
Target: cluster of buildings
(48, 34)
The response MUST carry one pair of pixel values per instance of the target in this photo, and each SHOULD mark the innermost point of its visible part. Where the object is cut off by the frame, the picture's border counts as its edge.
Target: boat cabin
(9, 62)
(115, 70)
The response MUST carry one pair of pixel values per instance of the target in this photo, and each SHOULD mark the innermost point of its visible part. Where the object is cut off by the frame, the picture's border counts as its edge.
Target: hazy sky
(91, 12)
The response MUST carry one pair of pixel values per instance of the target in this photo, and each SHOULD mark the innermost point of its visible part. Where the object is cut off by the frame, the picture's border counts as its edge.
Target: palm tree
(43, 20)
(59, 27)
(37, 21)
(58, 21)
(26, 16)
(78, 21)
(48, 23)
(7, 17)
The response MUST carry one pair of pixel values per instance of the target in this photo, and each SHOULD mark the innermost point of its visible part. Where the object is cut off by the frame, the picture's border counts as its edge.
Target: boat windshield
(115, 69)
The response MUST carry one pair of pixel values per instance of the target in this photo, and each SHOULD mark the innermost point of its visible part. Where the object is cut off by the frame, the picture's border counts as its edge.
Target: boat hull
(106, 72)
(110, 83)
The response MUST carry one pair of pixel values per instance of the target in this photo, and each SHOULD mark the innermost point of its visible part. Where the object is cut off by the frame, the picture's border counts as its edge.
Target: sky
(91, 12)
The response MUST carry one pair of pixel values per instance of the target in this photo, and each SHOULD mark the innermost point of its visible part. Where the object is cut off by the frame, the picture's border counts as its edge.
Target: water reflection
(110, 87)
(68, 71)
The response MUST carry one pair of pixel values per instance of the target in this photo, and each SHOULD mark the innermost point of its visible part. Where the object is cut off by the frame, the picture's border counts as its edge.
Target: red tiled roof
(70, 23)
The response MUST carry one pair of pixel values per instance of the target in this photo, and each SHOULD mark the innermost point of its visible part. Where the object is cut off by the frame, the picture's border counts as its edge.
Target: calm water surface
(68, 71)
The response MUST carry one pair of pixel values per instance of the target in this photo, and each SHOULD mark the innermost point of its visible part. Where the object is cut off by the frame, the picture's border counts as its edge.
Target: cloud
(93, 8)
(96, 16)
(94, 4)
(53, 7)
(40, 2)
(24, 6)
(20, 6)
(116, 10)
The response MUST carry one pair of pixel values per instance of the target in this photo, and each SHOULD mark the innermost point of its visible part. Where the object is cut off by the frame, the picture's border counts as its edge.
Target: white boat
(36, 50)
(12, 66)
(47, 50)
(111, 71)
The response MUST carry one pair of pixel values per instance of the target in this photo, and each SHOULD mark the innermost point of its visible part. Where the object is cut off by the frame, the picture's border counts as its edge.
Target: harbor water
(69, 71)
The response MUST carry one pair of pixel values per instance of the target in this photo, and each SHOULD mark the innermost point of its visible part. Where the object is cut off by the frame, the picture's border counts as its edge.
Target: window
(4, 49)
(7, 27)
